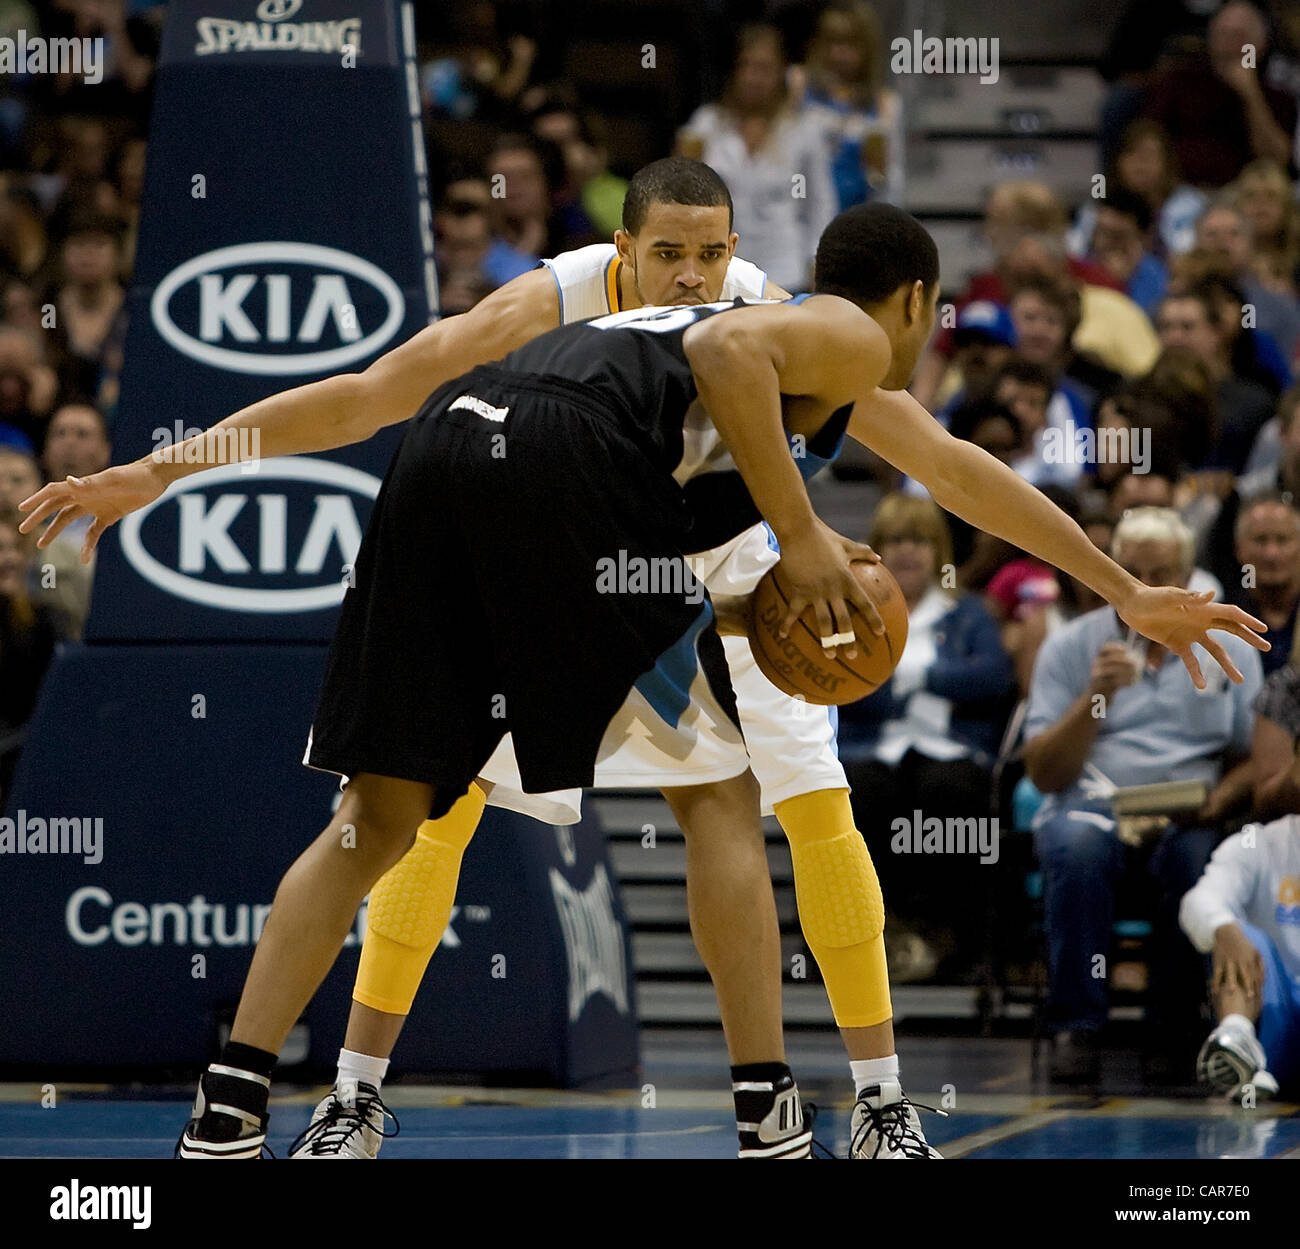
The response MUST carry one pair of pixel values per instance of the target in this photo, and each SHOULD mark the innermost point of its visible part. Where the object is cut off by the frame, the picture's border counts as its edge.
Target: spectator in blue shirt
(1267, 535)
(1121, 244)
(1252, 352)
(1223, 229)
(1046, 313)
(464, 243)
(1191, 319)
(983, 340)
(1107, 711)
(1264, 196)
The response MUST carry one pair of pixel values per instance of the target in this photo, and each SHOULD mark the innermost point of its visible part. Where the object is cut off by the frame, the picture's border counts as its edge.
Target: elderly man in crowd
(1106, 711)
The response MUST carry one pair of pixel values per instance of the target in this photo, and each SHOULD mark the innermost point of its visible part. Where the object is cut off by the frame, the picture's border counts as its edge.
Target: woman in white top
(772, 154)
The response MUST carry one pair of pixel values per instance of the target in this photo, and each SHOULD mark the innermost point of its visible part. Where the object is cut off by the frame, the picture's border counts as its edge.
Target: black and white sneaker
(770, 1119)
(885, 1125)
(349, 1123)
(219, 1126)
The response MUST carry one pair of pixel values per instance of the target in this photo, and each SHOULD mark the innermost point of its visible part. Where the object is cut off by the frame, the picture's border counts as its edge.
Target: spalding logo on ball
(797, 664)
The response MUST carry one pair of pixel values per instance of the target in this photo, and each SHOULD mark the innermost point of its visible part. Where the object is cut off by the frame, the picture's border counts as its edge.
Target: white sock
(362, 1068)
(872, 1070)
(1239, 1022)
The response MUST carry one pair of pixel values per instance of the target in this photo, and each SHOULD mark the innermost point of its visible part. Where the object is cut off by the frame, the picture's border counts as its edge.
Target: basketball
(797, 664)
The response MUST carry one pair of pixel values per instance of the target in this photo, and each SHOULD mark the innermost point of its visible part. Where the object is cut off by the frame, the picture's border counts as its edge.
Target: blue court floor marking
(1123, 1136)
(126, 1129)
(1044, 1124)
(104, 1128)
(557, 1124)
(972, 1143)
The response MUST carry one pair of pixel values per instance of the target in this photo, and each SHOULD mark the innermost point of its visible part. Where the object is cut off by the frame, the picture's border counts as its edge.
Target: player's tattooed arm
(967, 481)
(320, 416)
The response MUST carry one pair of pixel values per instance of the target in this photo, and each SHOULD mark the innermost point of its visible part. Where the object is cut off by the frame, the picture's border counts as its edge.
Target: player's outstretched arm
(320, 416)
(982, 490)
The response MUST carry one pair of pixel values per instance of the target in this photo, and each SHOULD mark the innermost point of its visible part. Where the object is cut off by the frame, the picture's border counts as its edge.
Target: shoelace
(809, 1121)
(330, 1132)
(893, 1125)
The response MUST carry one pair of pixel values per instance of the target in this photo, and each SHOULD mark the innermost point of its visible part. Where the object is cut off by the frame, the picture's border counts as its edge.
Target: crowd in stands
(72, 156)
(1132, 354)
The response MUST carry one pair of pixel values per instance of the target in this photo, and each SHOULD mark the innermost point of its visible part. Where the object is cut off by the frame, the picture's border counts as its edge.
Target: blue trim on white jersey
(809, 465)
(559, 290)
(667, 686)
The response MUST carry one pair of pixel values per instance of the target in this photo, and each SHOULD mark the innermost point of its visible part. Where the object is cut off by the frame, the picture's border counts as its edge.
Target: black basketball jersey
(635, 363)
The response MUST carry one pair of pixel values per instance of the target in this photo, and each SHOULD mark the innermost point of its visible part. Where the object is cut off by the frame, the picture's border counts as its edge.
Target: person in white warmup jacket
(1245, 910)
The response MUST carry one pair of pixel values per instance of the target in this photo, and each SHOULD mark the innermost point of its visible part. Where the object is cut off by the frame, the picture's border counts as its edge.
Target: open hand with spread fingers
(106, 497)
(1178, 618)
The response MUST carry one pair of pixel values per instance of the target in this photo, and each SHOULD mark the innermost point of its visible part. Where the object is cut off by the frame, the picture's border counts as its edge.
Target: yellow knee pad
(410, 906)
(840, 902)
(841, 908)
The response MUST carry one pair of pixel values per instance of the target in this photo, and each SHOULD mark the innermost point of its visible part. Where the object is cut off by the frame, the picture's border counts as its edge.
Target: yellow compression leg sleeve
(841, 909)
(410, 907)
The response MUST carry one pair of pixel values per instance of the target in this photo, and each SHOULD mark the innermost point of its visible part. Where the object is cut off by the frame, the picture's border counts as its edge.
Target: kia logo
(215, 539)
(277, 10)
(277, 301)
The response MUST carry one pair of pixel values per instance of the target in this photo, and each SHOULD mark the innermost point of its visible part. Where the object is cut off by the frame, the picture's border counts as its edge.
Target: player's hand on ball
(106, 496)
(1176, 618)
(815, 570)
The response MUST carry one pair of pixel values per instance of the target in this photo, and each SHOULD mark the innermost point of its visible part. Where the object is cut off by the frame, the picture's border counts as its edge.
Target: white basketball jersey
(587, 281)
(791, 744)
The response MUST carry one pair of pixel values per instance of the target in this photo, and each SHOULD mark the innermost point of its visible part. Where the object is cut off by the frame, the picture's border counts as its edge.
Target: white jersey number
(657, 320)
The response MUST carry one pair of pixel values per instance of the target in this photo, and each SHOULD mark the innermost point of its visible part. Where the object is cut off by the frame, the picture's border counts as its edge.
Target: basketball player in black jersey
(600, 427)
